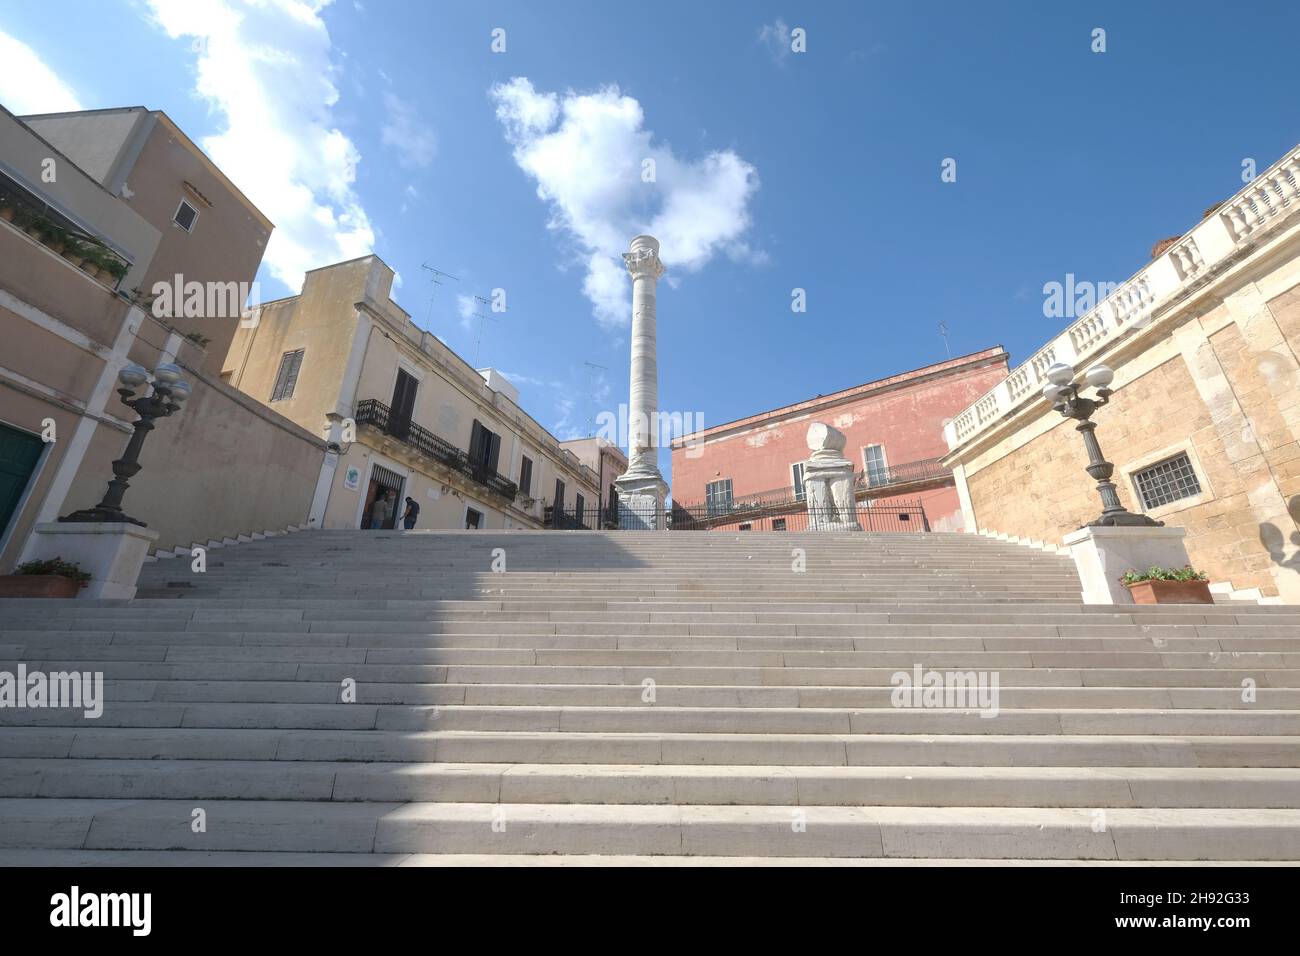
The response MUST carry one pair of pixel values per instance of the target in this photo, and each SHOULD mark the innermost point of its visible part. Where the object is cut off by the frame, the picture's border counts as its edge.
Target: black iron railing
(589, 518)
(894, 516)
(866, 484)
(377, 414)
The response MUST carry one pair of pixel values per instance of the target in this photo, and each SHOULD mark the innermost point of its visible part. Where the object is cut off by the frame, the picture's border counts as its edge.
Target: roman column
(642, 489)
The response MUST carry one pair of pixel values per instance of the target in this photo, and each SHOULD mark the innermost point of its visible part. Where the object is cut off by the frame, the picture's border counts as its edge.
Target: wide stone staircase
(584, 697)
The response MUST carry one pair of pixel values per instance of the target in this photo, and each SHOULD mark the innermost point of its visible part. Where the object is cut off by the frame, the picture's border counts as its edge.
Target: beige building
(69, 247)
(1204, 425)
(405, 412)
(608, 461)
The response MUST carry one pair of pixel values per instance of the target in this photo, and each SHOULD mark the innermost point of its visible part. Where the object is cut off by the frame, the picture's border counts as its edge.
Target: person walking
(411, 513)
(381, 512)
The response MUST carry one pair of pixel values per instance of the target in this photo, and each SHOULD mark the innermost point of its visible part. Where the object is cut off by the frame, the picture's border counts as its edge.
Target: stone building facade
(404, 411)
(1204, 425)
(223, 467)
(889, 424)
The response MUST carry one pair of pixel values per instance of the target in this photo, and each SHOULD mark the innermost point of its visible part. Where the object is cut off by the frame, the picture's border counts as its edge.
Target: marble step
(642, 829)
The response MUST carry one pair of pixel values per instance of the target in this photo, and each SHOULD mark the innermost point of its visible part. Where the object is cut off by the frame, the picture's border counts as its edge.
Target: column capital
(642, 259)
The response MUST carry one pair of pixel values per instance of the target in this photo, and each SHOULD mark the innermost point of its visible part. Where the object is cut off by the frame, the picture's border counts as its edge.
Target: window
(873, 457)
(717, 495)
(484, 448)
(473, 519)
(186, 216)
(778, 524)
(797, 471)
(579, 503)
(287, 377)
(526, 477)
(1167, 481)
(559, 497)
(746, 527)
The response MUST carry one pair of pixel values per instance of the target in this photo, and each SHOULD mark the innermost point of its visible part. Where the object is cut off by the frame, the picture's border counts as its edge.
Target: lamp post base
(98, 515)
(1124, 519)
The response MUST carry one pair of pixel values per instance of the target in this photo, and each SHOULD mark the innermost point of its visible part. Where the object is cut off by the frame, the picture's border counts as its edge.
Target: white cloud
(265, 67)
(776, 37)
(466, 306)
(587, 151)
(412, 141)
(27, 85)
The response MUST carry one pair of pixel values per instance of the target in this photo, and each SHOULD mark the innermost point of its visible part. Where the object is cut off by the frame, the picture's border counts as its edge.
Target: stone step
(658, 718)
(644, 829)
(972, 750)
(1101, 787)
(689, 695)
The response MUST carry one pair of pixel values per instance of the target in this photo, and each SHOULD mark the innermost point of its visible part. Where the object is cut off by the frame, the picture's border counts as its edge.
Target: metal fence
(588, 518)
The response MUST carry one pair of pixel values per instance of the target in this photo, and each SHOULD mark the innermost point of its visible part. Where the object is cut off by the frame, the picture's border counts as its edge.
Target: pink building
(894, 428)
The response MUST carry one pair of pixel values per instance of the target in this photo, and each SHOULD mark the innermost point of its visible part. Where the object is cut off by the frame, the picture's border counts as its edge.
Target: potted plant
(74, 251)
(52, 577)
(1157, 585)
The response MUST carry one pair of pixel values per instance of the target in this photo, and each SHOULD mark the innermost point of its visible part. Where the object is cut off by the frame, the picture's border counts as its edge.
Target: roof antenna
(433, 277)
(943, 330)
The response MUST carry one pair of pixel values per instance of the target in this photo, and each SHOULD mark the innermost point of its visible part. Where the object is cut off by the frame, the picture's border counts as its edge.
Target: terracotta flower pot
(1171, 592)
(38, 586)
(7, 213)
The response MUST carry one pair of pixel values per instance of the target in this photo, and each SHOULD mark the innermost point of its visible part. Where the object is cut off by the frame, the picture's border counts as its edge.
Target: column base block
(641, 503)
(112, 551)
(1103, 554)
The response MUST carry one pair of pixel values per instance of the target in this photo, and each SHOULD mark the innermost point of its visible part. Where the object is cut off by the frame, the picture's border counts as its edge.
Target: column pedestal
(828, 482)
(112, 551)
(641, 503)
(1103, 553)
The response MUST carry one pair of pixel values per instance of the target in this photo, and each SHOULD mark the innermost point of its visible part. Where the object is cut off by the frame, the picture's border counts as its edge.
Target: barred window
(1167, 481)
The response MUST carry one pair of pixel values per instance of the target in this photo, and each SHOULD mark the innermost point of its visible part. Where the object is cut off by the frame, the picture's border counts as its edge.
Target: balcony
(908, 478)
(27, 212)
(378, 415)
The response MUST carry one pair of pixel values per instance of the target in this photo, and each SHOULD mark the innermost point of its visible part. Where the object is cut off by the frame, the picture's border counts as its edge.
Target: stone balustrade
(1242, 221)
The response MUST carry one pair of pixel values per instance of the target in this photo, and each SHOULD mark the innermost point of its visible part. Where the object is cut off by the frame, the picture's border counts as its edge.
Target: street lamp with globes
(169, 392)
(1065, 395)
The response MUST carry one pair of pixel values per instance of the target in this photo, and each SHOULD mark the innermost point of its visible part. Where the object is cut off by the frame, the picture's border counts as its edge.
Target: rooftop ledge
(1238, 225)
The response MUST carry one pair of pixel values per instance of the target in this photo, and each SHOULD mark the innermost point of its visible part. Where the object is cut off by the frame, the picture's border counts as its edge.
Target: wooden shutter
(494, 451)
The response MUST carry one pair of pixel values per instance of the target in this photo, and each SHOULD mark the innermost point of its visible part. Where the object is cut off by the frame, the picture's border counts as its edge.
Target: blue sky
(395, 127)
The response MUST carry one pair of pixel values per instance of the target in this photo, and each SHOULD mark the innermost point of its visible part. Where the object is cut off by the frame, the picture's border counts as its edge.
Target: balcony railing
(375, 413)
(1226, 232)
(868, 484)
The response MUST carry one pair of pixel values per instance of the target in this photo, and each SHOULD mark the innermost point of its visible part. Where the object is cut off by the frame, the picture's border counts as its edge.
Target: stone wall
(1221, 383)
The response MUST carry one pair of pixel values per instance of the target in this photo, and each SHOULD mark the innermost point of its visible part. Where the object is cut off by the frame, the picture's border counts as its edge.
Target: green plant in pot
(1157, 585)
(49, 577)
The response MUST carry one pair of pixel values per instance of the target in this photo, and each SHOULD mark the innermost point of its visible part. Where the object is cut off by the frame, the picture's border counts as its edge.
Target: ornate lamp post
(169, 391)
(1063, 392)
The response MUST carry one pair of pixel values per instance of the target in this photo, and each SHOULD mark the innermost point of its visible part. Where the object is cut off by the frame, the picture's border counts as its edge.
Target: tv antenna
(591, 392)
(434, 277)
(943, 330)
(478, 342)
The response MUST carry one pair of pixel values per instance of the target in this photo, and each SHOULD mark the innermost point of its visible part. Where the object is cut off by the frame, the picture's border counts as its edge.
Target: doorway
(382, 480)
(20, 452)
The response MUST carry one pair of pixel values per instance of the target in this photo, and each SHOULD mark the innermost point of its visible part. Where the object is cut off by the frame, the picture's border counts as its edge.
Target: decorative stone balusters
(828, 482)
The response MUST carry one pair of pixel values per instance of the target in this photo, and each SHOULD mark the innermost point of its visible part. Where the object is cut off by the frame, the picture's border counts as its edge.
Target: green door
(19, 453)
